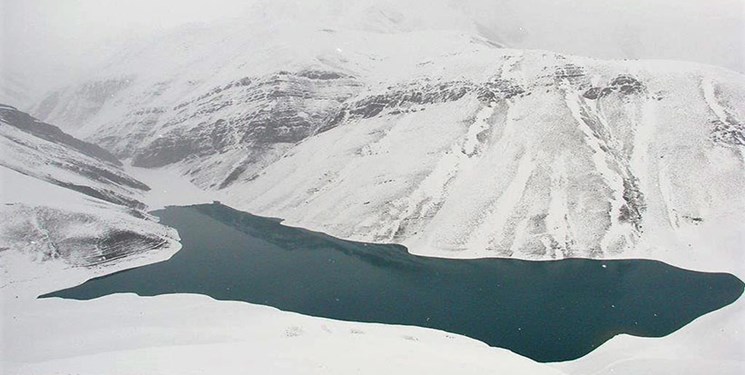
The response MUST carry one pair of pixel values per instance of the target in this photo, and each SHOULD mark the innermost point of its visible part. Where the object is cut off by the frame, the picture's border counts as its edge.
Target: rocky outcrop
(416, 96)
(622, 84)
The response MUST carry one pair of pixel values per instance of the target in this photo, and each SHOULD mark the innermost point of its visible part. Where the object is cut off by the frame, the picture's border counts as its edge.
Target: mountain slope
(69, 210)
(455, 148)
(577, 158)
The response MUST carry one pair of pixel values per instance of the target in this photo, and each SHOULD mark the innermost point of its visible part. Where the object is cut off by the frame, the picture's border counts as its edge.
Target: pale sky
(47, 39)
(51, 36)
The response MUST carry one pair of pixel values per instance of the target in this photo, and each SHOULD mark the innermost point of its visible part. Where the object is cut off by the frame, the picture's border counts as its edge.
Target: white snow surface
(42, 231)
(714, 343)
(54, 236)
(540, 172)
(47, 234)
(552, 176)
(549, 173)
(194, 334)
(711, 344)
(169, 188)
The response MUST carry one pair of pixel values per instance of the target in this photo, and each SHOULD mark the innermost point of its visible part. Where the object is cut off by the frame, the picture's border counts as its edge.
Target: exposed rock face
(414, 96)
(251, 115)
(729, 131)
(251, 118)
(623, 84)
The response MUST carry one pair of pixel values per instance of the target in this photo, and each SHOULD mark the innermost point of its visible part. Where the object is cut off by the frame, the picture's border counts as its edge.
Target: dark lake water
(548, 311)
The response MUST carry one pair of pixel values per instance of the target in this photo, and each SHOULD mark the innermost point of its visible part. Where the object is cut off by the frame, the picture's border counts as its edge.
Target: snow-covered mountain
(547, 157)
(374, 123)
(69, 211)
(368, 120)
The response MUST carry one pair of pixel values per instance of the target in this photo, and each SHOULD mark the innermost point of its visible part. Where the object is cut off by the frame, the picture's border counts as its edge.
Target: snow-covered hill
(549, 157)
(194, 334)
(371, 123)
(69, 211)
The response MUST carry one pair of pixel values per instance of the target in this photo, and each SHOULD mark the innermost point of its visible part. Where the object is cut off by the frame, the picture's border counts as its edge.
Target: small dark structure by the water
(548, 311)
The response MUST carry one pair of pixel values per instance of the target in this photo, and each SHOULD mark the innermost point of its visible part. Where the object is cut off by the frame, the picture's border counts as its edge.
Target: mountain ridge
(456, 148)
